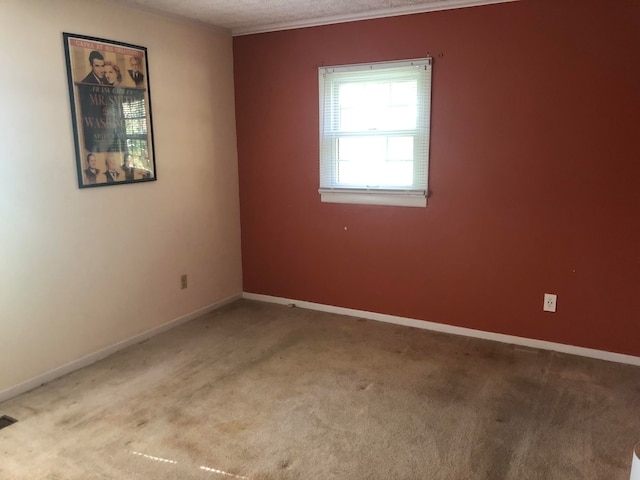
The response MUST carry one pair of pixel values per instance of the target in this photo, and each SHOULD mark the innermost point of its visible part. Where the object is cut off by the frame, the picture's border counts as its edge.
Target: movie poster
(110, 110)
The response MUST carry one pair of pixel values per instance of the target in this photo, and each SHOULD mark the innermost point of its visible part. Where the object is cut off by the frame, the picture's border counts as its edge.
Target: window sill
(368, 197)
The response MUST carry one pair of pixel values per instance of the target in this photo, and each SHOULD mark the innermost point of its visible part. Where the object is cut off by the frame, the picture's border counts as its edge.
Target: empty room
(382, 239)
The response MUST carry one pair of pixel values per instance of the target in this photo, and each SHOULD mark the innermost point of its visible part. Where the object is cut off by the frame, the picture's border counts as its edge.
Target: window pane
(351, 95)
(404, 93)
(138, 148)
(397, 174)
(366, 149)
(400, 148)
(356, 157)
(350, 174)
(354, 120)
(399, 118)
(379, 174)
(136, 126)
(376, 161)
(377, 106)
(134, 109)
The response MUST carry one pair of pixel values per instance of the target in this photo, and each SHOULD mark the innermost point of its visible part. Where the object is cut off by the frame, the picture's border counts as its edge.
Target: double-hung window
(374, 132)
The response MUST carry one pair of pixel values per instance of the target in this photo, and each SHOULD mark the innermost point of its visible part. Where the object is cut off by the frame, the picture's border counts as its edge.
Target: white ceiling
(254, 16)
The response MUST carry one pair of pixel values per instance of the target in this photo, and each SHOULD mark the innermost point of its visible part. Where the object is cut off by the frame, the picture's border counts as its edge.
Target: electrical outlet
(183, 281)
(550, 300)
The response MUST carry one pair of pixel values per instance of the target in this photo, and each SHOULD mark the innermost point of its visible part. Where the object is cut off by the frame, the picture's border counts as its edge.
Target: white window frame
(332, 192)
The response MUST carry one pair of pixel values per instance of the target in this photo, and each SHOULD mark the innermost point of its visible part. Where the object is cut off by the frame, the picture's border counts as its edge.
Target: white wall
(81, 270)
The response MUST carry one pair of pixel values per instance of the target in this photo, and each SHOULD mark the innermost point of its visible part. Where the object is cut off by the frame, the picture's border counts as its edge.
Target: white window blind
(374, 132)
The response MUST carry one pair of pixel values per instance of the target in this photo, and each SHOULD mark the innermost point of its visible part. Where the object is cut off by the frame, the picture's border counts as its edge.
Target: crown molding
(353, 17)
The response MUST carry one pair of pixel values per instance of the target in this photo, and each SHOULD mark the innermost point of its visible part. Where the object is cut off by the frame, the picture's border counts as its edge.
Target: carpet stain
(368, 386)
(193, 448)
(180, 419)
(232, 427)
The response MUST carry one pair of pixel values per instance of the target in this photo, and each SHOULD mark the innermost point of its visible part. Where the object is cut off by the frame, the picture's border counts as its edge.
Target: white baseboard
(105, 352)
(439, 327)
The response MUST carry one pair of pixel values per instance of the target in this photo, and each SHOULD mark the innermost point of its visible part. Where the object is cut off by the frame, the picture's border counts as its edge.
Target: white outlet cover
(550, 300)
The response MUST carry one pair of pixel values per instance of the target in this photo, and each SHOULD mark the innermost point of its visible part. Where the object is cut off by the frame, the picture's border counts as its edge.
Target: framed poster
(110, 110)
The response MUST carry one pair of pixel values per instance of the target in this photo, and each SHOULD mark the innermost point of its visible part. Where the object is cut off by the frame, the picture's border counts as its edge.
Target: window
(374, 132)
(135, 119)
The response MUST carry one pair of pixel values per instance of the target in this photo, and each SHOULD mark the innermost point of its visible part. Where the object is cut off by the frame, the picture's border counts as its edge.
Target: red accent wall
(534, 174)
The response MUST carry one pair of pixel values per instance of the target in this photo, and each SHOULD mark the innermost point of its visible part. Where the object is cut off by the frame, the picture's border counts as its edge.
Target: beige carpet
(261, 391)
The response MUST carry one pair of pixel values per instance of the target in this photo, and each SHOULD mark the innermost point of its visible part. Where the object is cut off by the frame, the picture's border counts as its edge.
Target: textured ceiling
(248, 16)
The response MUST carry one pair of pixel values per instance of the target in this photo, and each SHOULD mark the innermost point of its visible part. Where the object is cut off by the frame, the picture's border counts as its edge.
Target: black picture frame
(110, 98)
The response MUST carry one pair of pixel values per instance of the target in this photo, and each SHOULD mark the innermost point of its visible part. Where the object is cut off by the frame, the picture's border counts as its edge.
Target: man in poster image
(111, 173)
(128, 169)
(91, 172)
(135, 73)
(96, 75)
